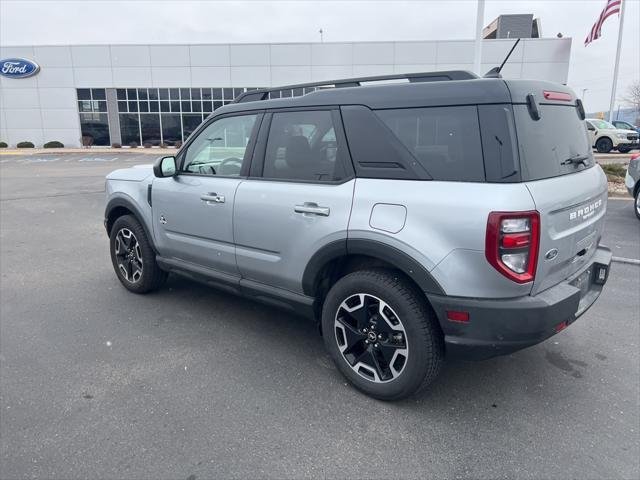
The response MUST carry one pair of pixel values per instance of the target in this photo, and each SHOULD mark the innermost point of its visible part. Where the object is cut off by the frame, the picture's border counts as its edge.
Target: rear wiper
(576, 159)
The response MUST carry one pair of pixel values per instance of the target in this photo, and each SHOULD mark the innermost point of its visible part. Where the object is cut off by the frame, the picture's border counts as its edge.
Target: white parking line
(630, 261)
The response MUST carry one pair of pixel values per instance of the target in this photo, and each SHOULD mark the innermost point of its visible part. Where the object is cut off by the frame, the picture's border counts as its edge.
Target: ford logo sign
(18, 68)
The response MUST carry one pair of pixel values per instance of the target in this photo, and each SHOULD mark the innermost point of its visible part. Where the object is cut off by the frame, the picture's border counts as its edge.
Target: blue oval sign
(18, 68)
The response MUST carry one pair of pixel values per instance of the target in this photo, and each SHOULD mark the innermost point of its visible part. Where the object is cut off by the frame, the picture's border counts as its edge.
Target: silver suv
(447, 215)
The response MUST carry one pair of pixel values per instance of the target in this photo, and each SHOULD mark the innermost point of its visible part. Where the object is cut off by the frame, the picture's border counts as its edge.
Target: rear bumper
(502, 326)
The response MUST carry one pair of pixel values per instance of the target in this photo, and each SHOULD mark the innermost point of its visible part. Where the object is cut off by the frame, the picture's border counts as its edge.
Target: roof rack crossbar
(263, 93)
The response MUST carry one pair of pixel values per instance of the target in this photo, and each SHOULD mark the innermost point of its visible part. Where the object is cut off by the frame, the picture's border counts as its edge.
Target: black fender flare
(371, 248)
(130, 205)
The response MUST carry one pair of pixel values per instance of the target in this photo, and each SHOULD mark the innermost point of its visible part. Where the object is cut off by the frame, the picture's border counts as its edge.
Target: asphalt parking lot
(192, 383)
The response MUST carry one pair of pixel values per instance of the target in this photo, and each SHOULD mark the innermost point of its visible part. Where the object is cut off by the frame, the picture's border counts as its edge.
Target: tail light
(512, 244)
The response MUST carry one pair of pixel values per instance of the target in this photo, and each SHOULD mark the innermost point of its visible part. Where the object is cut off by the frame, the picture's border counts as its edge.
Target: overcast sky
(53, 22)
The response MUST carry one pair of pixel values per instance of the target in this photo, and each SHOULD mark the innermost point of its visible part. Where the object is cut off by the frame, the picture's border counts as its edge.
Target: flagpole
(617, 64)
(477, 57)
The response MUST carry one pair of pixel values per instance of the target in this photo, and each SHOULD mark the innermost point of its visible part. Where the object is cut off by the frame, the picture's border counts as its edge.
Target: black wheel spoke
(369, 358)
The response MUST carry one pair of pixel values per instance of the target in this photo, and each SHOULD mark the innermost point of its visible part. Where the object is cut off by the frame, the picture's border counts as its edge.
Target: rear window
(444, 140)
(546, 145)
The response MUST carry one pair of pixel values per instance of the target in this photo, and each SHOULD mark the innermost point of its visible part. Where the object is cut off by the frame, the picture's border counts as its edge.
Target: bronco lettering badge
(586, 211)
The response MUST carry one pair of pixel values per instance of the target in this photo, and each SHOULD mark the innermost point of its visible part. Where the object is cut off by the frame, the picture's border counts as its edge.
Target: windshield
(602, 124)
(555, 145)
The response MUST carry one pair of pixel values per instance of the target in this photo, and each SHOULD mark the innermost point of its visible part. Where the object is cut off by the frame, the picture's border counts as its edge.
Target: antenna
(495, 71)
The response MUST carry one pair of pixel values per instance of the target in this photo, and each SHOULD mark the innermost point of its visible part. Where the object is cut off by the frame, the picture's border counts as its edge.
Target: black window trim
(248, 154)
(257, 163)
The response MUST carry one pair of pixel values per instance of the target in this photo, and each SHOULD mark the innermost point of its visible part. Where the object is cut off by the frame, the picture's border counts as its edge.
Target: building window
(161, 115)
(94, 122)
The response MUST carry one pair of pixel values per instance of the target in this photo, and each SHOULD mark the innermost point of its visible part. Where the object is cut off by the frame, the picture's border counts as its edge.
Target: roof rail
(263, 93)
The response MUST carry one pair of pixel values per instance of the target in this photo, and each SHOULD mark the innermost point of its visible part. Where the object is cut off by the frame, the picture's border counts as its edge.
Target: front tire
(381, 334)
(604, 145)
(133, 259)
(624, 150)
(637, 203)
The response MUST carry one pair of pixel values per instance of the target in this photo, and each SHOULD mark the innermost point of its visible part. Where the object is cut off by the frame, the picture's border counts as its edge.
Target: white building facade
(158, 94)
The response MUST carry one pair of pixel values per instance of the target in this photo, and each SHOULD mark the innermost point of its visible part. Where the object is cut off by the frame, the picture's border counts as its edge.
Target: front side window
(221, 147)
(303, 146)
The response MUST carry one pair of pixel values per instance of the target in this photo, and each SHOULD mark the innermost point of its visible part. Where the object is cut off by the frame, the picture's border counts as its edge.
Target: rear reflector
(561, 326)
(454, 316)
(561, 96)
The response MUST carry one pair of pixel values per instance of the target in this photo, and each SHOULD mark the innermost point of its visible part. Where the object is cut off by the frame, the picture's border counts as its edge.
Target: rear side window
(444, 140)
(547, 145)
(303, 146)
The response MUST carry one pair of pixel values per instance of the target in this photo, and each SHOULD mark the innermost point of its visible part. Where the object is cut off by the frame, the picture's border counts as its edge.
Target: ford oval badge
(551, 254)
(18, 68)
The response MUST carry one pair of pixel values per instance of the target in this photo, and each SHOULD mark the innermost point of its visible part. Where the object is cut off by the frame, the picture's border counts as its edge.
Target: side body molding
(374, 249)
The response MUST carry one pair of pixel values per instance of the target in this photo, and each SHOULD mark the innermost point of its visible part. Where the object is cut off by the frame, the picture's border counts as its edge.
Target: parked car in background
(632, 181)
(622, 125)
(606, 137)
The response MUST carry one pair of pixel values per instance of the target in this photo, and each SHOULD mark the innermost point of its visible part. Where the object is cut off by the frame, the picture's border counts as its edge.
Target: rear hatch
(567, 187)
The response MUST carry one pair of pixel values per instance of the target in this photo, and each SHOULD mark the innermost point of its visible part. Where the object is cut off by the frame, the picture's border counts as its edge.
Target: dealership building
(154, 94)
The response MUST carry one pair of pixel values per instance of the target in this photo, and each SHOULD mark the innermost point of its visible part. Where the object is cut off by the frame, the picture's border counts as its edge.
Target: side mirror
(165, 167)
(590, 127)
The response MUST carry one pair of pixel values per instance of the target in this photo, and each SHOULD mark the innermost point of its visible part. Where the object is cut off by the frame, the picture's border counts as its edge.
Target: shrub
(133, 144)
(87, 140)
(163, 145)
(25, 145)
(177, 144)
(53, 144)
(147, 145)
(116, 145)
(3, 145)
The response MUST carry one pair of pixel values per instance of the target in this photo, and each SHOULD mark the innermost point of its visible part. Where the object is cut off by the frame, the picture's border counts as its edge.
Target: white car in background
(606, 137)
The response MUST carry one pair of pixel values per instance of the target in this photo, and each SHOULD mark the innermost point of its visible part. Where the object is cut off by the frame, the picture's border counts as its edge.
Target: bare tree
(632, 95)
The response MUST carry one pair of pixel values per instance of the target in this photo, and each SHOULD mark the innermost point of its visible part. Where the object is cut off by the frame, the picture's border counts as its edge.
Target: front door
(193, 211)
(298, 201)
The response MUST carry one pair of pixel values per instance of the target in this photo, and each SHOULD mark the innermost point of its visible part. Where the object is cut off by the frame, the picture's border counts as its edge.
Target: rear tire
(604, 145)
(382, 334)
(133, 259)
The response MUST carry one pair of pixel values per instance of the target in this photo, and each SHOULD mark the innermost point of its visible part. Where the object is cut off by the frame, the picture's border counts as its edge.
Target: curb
(628, 261)
(88, 151)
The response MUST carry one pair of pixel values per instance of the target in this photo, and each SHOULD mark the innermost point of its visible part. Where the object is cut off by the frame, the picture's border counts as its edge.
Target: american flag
(613, 7)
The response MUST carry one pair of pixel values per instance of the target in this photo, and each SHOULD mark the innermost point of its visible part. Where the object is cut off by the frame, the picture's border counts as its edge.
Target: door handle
(312, 208)
(212, 198)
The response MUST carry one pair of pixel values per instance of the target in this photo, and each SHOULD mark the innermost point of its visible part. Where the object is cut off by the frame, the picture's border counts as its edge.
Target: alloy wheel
(371, 338)
(128, 255)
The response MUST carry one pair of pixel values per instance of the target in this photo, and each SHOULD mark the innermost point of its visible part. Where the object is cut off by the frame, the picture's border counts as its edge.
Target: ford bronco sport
(449, 214)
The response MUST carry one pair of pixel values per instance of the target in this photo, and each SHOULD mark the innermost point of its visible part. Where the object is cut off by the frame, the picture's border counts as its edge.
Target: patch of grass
(614, 170)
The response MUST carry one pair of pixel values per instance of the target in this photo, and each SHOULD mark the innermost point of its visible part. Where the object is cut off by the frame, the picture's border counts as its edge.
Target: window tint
(220, 148)
(303, 146)
(444, 140)
(546, 145)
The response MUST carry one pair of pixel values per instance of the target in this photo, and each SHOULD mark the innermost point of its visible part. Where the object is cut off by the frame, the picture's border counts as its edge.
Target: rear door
(297, 199)
(193, 211)
(568, 189)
